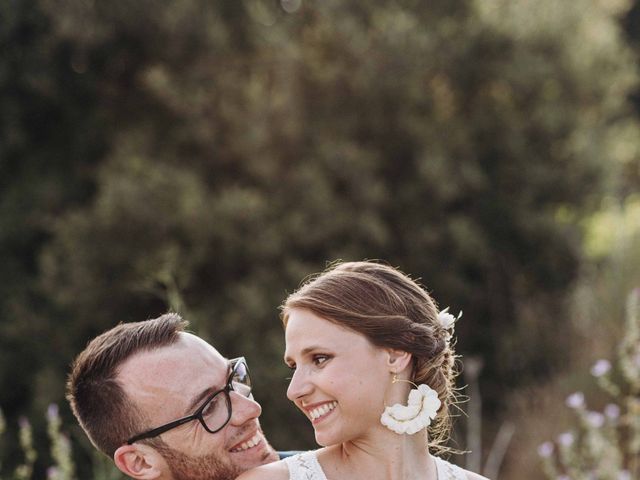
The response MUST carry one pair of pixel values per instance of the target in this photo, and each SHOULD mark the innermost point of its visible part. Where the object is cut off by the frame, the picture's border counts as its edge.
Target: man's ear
(139, 461)
(398, 360)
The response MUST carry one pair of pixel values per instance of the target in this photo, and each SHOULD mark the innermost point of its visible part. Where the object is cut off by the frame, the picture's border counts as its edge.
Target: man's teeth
(323, 410)
(252, 442)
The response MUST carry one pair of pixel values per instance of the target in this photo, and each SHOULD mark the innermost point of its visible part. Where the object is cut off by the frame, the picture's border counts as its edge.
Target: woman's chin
(324, 440)
(327, 438)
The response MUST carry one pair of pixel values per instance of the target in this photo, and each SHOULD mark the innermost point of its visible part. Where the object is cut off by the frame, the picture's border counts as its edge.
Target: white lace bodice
(448, 471)
(305, 466)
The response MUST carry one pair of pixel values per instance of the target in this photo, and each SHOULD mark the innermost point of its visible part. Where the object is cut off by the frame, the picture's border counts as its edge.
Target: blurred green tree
(50, 137)
(235, 147)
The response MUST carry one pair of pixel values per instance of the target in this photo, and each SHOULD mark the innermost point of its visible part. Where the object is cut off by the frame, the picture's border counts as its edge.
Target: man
(164, 404)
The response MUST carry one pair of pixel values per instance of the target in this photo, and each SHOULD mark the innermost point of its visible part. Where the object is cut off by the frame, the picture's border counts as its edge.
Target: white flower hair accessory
(447, 320)
(421, 409)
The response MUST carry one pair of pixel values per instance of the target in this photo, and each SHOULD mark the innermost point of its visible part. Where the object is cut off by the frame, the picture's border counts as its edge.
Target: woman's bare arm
(271, 471)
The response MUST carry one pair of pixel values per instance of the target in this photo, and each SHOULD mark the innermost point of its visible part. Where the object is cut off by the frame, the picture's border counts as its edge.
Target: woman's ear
(139, 461)
(398, 360)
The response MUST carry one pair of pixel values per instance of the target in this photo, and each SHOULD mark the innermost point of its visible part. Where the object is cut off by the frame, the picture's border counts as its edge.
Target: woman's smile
(319, 412)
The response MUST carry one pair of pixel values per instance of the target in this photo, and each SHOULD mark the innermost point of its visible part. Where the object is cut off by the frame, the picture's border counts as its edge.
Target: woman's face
(339, 377)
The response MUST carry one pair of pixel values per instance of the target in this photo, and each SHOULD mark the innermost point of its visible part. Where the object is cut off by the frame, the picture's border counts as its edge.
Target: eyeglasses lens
(240, 380)
(217, 412)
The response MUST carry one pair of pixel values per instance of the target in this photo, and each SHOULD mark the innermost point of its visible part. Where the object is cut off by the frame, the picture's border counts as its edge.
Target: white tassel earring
(421, 409)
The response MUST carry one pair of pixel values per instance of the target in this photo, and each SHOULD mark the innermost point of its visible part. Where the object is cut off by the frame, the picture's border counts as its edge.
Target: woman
(373, 366)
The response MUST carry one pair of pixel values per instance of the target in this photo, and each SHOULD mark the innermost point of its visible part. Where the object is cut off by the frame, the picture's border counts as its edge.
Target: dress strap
(305, 466)
(448, 471)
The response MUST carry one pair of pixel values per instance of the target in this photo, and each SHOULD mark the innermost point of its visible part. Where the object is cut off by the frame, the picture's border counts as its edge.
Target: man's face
(171, 383)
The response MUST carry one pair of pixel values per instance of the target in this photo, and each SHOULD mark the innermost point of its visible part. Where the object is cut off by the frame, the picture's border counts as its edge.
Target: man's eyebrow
(196, 401)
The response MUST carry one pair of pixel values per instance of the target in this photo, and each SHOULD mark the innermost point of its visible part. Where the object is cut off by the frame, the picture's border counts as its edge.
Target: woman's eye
(320, 359)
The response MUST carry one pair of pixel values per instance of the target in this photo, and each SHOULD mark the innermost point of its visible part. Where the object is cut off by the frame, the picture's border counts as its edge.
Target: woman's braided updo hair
(392, 311)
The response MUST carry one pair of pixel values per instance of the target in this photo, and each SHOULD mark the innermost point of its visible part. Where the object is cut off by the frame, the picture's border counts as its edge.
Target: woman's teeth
(323, 410)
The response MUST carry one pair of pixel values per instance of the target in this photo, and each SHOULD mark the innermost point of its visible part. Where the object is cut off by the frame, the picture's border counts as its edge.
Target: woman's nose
(299, 386)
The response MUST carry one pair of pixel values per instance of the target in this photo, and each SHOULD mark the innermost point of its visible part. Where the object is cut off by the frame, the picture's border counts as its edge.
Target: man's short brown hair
(97, 399)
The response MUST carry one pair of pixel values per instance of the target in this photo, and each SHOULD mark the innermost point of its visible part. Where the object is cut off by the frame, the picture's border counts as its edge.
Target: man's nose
(243, 408)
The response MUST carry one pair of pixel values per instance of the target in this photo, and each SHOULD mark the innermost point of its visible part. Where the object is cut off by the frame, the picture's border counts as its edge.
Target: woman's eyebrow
(305, 351)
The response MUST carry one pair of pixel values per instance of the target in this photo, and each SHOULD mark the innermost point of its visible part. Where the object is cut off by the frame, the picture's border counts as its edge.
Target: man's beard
(205, 467)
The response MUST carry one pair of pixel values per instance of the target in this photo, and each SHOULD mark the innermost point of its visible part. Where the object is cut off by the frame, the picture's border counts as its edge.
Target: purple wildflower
(575, 400)
(545, 450)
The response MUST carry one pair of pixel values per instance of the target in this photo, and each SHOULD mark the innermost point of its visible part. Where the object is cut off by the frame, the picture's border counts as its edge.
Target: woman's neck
(381, 455)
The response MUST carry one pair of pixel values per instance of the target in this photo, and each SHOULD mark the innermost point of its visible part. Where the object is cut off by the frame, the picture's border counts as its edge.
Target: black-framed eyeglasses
(215, 411)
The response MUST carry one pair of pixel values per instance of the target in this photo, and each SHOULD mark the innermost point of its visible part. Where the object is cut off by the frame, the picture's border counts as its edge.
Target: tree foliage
(206, 156)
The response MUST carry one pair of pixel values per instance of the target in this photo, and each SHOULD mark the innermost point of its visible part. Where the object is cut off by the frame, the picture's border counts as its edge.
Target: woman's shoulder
(451, 470)
(473, 476)
(271, 471)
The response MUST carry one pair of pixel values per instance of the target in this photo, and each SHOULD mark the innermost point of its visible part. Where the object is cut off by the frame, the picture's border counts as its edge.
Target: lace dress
(448, 471)
(305, 466)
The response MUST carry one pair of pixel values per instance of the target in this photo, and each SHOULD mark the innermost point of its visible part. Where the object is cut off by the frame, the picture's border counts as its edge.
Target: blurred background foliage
(207, 156)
